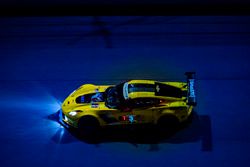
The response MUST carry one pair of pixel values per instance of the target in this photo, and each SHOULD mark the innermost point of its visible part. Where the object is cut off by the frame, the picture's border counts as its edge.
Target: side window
(144, 102)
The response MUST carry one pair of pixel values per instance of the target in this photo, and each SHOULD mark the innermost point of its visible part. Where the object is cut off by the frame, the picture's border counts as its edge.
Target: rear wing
(191, 95)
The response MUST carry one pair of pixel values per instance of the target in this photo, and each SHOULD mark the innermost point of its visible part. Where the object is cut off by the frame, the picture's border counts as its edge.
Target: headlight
(74, 113)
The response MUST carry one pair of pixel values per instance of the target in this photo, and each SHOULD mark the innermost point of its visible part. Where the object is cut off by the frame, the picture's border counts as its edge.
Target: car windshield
(114, 96)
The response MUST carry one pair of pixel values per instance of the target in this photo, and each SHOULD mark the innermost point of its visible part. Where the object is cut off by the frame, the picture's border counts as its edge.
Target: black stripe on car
(141, 88)
(167, 90)
(160, 89)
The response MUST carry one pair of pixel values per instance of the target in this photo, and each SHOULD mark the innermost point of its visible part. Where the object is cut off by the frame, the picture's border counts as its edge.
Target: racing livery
(131, 102)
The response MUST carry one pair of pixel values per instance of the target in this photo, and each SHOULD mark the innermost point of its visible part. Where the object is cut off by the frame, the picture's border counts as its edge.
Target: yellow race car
(165, 104)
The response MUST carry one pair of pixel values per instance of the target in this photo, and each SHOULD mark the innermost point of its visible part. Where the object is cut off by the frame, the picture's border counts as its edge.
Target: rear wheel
(167, 123)
(88, 126)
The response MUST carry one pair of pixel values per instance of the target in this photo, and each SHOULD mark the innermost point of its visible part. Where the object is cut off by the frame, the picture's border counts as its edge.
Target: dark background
(121, 7)
(43, 59)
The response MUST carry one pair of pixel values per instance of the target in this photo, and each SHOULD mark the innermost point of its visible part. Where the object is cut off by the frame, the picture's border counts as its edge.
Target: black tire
(88, 126)
(167, 123)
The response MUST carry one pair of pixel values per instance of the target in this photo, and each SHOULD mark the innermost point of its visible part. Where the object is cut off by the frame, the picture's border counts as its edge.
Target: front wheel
(88, 126)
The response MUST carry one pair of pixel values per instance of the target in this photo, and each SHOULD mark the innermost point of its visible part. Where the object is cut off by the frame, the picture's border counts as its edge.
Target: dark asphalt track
(38, 73)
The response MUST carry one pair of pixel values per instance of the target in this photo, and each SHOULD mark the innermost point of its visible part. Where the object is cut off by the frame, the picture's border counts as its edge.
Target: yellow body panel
(150, 114)
(142, 81)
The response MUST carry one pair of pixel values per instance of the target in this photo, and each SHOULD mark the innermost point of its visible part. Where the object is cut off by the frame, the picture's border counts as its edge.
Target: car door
(143, 108)
(135, 111)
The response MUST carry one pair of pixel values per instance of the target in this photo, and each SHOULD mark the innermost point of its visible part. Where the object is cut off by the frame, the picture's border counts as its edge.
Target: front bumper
(63, 120)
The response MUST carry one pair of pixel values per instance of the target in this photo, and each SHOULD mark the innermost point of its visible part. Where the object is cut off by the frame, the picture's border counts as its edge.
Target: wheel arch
(90, 117)
(167, 115)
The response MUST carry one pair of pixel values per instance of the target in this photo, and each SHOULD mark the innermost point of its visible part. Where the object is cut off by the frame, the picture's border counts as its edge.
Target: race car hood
(85, 95)
(87, 89)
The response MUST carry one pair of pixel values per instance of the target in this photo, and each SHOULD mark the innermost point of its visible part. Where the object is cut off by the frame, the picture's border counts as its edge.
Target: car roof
(143, 88)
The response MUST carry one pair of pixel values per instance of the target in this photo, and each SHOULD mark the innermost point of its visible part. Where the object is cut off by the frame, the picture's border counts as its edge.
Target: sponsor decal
(157, 88)
(131, 118)
(98, 97)
(93, 105)
(191, 88)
